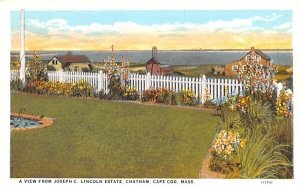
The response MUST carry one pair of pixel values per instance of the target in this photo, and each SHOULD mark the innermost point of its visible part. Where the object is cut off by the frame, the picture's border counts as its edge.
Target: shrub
(115, 89)
(149, 95)
(283, 104)
(130, 93)
(224, 152)
(258, 116)
(85, 69)
(16, 85)
(36, 71)
(160, 95)
(51, 68)
(163, 95)
(187, 97)
(80, 88)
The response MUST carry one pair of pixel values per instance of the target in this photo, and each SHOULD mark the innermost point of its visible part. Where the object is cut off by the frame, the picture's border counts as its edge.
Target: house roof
(70, 58)
(262, 54)
(153, 60)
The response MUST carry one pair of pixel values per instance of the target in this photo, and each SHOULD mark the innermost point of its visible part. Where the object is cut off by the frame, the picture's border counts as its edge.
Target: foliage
(258, 78)
(187, 97)
(115, 88)
(283, 104)
(243, 102)
(258, 116)
(232, 120)
(163, 95)
(16, 85)
(224, 152)
(36, 71)
(226, 143)
(117, 73)
(263, 157)
(130, 93)
(149, 95)
(85, 69)
(80, 88)
(159, 95)
(15, 63)
(51, 68)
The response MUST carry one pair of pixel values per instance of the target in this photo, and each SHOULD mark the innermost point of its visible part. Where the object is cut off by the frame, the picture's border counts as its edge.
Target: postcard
(150, 96)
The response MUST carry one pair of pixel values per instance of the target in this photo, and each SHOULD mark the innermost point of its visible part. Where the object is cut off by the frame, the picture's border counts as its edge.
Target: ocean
(172, 57)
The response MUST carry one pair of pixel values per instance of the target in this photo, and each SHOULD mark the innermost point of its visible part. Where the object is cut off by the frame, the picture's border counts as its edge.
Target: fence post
(203, 93)
(148, 80)
(61, 79)
(100, 81)
(278, 88)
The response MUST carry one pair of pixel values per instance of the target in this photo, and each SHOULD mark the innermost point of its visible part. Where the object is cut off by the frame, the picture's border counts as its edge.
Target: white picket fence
(141, 82)
(14, 74)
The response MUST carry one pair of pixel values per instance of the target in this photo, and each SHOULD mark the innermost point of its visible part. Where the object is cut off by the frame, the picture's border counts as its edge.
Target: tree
(259, 79)
(36, 71)
(116, 73)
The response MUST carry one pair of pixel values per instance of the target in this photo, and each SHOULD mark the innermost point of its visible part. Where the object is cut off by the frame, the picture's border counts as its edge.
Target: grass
(93, 138)
(193, 71)
(262, 157)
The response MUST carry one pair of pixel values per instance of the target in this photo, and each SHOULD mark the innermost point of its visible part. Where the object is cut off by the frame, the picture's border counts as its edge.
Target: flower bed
(160, 95)
(79, 89)
(45, 121)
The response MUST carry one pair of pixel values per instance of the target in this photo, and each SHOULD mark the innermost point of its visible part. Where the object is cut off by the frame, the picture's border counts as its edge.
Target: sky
(140, 30)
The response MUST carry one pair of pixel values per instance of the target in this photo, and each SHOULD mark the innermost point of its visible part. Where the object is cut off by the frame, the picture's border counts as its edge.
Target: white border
(5, 42)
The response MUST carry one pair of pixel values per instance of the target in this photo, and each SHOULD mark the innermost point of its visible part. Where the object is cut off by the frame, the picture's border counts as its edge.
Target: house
(70, 62)
(155, 68)
(260, 57)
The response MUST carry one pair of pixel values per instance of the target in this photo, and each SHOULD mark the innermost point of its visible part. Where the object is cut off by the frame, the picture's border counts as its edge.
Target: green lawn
(94, 138)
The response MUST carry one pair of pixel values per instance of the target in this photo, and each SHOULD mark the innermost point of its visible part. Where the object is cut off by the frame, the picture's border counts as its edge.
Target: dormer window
(257, 58)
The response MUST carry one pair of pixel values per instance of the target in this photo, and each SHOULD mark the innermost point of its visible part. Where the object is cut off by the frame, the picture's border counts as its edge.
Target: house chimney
(252, 49)
(154, 52)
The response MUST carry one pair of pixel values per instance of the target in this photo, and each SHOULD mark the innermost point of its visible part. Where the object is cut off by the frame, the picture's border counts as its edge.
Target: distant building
(261, 58)
(155, 68)
(70, 62)
(230, 69)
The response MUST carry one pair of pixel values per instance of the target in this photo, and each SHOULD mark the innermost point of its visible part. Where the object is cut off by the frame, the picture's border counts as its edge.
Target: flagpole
(22, 46)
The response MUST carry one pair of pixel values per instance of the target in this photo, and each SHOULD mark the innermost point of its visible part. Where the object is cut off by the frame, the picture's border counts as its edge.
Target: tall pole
(22, 46)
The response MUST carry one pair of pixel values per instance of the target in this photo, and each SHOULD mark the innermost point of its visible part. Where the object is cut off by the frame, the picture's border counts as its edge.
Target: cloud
(59, 34)
(284, 26)
(60, 26)
(141, 41)
(239, 39)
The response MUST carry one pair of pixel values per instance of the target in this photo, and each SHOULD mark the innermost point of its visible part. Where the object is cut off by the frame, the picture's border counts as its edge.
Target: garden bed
(45, 121)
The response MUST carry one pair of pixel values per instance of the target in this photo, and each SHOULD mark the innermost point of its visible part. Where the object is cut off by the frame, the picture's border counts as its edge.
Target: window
(247, 57)
(234, 67)
(257, 58)
(244, 67)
